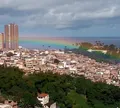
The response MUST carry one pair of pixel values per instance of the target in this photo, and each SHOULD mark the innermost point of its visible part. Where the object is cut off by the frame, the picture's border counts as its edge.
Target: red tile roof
(42, 94)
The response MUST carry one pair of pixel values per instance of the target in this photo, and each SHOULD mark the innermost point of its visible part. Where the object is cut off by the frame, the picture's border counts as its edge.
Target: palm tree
(43, 46)
(102, 44)
(77, 44)
(49, 47)
(99, 43)
(112, 47)
(65, 47)
(106, 47)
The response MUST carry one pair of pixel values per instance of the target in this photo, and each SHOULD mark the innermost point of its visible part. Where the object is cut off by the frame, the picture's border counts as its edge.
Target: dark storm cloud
(61, 14)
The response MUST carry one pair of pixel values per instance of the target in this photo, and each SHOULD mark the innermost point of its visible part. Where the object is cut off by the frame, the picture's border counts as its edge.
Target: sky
(67, 18)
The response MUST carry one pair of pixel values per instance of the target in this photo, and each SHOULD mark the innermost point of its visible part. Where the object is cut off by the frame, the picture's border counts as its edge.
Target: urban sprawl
(56, 61)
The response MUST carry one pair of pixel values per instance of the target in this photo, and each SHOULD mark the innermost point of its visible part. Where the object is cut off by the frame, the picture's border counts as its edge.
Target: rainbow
(49, 41)
(54, 41)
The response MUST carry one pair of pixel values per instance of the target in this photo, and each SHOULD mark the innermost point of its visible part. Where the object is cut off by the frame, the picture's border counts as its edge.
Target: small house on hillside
(44, 100)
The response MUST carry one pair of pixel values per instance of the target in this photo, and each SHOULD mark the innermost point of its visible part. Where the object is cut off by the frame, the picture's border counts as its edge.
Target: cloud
(60, 14)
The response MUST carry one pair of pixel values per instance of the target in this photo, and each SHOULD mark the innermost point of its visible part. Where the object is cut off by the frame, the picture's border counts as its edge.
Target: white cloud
(61, 13)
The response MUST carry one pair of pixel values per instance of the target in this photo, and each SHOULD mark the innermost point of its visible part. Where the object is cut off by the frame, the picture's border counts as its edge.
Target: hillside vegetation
(67, 91)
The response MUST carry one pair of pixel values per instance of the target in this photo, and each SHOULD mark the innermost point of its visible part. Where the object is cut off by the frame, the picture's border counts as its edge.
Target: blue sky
(62, 17)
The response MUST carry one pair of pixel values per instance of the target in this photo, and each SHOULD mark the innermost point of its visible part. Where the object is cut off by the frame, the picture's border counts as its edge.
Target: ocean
(62, 42)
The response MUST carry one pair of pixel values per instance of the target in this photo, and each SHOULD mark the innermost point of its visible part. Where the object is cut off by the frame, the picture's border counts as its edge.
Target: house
(73, 70)
(11, 103)
(7, 103)
(44, 99)
(5, 106)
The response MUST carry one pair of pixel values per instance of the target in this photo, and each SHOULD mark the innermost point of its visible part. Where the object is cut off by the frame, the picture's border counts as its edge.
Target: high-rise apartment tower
(1, 40)
(11, 36)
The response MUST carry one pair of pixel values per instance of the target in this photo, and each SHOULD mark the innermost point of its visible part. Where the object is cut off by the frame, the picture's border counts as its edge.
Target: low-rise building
(5, 106)
(44, 100)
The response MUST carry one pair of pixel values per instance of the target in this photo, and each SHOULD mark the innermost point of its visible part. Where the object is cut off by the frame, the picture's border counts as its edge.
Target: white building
(59, 52)
(5, 106)
(1, 62)
(103, 51)
(73, 70)
(29, 63)
(44, 99)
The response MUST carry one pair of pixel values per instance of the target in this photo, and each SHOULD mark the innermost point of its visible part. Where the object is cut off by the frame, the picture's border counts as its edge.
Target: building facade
(5, 106)
(1, 40)
(11, 36)
(44, 100)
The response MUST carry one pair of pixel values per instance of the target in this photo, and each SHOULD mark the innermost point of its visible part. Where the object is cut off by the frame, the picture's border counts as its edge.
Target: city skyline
(10, 38)
(1, 40)
(70, 18)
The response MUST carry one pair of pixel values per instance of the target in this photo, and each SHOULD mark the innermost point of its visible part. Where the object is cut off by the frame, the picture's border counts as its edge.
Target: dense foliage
(112, 56)
(98, 56)
(86, 45)
(67, 91)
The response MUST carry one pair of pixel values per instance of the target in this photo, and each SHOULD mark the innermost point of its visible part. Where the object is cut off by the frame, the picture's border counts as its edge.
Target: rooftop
(42, 95)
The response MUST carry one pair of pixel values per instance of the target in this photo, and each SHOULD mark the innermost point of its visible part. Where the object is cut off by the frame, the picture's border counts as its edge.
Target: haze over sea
(61, 42)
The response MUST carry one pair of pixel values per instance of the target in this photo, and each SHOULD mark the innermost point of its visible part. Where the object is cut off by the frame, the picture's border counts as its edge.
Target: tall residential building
(1, 40)
(11, 36)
